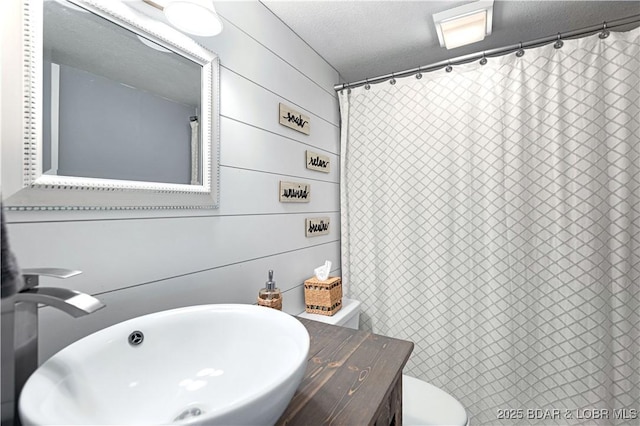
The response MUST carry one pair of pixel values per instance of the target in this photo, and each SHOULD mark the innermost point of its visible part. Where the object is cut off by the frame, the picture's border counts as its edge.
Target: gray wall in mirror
(114, 131)
(123, 103)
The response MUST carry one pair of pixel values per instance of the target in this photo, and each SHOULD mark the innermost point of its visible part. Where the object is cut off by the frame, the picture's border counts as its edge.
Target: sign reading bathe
(316, 226)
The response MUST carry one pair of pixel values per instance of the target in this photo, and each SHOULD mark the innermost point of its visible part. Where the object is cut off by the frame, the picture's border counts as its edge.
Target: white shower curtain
(491, 215)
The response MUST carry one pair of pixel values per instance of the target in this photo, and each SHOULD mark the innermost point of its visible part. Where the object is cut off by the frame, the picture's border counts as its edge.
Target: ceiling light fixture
(465, 24)
(197, 17)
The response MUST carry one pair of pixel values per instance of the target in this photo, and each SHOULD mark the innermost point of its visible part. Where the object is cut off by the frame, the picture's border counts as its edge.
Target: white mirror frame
(49, 192)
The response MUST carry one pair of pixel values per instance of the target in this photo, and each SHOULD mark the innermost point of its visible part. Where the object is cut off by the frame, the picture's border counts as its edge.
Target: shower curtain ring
(449, 68)
(419, 73)
(367, 86)
(483, 61)
(520, 52)
(559, 43)
(393, 79)
(605, 32)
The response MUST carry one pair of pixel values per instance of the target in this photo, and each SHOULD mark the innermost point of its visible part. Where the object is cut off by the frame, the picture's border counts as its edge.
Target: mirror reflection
(116, 105)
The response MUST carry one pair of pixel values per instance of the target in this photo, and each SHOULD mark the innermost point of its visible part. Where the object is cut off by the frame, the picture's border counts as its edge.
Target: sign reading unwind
(295, 192)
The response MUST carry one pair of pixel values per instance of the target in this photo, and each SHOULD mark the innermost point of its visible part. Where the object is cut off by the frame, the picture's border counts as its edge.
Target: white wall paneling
(249, 147)
(242, 54)
(254, 192)
(276, 37)
(123, 253)
(238, 283)
(246, 102)
(244, 191)
(145, 261)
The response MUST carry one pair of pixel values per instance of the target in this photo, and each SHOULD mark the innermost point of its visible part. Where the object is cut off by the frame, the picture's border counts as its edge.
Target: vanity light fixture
(465, 24)
(197, 17)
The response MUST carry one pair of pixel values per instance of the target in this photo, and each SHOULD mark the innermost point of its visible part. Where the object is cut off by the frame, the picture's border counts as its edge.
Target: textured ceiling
(366, 39)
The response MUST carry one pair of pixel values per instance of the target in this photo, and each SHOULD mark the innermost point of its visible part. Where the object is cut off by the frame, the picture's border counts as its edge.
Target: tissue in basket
(323, 297)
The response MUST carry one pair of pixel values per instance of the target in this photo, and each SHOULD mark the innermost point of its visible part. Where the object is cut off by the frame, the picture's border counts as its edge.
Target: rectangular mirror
(121, 111)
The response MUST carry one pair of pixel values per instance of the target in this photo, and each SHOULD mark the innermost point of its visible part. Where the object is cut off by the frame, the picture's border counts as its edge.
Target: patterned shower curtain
(491, 215)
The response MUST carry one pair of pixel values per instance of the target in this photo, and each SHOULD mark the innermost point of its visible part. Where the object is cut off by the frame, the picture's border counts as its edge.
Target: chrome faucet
(72, 302)
(25, 344)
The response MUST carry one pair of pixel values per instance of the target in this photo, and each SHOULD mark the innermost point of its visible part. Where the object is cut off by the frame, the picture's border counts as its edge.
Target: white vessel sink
(208, 364)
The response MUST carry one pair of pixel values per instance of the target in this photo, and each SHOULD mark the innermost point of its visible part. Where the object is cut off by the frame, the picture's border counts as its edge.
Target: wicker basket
(271, 303)
(323, 297)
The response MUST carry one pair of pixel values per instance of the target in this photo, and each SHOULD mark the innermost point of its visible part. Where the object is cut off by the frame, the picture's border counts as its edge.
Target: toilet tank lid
(349, 309)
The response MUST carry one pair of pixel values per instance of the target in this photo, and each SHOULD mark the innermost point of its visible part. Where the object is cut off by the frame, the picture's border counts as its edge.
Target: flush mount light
(465, 24)
(197, 17)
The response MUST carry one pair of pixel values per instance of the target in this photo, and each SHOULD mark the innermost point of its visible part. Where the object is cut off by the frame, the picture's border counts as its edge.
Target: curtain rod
(604, 27)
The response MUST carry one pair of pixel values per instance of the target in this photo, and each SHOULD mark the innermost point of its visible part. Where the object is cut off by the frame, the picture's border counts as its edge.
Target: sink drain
(188, 413)
(136, 338)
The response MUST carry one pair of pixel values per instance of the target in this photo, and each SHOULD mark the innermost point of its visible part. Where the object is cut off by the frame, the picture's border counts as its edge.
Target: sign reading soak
(316, 226)
(318, 162)
(294, 120)
(295, 192)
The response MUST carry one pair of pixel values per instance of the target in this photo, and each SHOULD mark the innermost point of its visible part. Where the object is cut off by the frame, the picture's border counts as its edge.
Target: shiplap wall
(143, 262)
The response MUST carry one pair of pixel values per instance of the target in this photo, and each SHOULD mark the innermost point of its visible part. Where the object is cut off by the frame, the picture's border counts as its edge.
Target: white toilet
(422, 403)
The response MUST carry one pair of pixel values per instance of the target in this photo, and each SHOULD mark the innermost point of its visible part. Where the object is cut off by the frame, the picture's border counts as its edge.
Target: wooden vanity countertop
(352, 378)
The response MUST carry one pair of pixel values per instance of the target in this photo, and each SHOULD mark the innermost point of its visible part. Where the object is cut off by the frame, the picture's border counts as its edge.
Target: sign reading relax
(318, 162)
